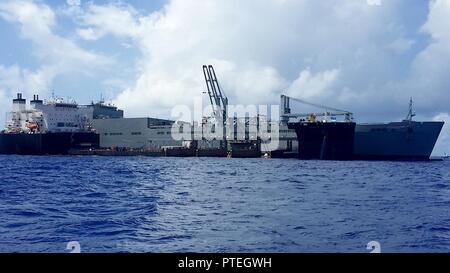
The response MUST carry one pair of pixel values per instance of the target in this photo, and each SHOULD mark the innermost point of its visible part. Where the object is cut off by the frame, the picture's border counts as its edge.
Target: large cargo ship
(405, 140)
(54, 127)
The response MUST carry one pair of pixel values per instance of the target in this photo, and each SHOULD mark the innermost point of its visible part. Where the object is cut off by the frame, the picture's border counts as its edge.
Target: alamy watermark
(238, 122)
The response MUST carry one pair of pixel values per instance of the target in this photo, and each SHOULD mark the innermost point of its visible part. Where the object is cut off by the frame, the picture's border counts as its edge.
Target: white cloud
(36, 22)
(73, 2)
(428, 79)
(14, 78)
(57, 55)
(108, 19)
(438, 23)
(89, 34)
(313, 86)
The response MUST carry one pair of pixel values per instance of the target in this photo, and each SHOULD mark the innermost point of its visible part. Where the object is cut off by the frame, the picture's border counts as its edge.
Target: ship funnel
(19, 103)
(36, 101)
(19, 99)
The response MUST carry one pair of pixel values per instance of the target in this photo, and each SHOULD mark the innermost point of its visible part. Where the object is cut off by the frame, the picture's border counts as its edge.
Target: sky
(365, 56)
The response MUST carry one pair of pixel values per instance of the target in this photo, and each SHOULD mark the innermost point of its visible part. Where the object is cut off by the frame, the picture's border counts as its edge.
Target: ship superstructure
(55, 115)
(51, 127)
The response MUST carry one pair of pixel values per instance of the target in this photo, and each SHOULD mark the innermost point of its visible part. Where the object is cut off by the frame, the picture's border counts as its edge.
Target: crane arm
(319, 105)
(219, 92)
(329, 111)
(317, 114)
(209, 87)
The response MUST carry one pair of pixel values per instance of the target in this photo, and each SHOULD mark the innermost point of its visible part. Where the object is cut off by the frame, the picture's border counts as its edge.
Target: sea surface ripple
(144, 204)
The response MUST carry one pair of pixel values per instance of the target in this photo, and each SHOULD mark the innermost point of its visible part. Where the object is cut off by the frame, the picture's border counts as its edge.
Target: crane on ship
(329, 112)
(217, 98)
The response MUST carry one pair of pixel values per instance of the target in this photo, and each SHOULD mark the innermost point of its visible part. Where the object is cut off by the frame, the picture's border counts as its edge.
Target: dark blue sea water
(142, 204)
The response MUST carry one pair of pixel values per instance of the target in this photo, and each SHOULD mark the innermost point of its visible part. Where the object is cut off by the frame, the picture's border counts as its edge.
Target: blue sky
(367, 56)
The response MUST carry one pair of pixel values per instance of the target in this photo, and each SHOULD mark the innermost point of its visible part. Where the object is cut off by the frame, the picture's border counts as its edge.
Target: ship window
(115, 134)
(60, 124)
(136, 133)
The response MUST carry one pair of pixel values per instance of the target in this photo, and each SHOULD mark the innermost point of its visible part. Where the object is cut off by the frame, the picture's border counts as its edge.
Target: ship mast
(411, 112)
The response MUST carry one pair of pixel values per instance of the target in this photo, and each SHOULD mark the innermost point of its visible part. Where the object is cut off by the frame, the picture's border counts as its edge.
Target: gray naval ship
(405, 140)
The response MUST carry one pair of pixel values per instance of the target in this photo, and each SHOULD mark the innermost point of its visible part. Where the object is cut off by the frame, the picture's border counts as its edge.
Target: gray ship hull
(396, 140)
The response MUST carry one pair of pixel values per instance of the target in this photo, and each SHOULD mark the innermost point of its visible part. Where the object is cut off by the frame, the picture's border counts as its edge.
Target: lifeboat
(32, 126)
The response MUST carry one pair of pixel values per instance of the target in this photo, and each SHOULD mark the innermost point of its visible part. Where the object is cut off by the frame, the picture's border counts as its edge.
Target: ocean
(145, 204)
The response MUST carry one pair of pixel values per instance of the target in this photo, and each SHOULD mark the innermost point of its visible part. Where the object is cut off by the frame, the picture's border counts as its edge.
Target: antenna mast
(411, 112)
